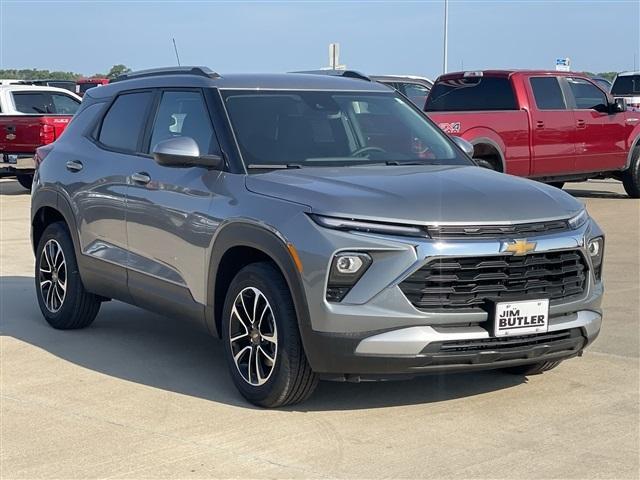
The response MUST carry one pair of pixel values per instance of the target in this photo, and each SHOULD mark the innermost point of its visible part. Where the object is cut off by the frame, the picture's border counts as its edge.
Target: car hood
(417, 194)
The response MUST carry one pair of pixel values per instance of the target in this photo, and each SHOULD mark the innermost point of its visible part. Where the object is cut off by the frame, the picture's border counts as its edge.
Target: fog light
(595, 247)
(348, 264)
(346, 270)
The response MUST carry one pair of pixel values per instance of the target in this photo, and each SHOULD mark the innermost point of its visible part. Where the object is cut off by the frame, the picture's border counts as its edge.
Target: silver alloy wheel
(52, 276)
(253, 336)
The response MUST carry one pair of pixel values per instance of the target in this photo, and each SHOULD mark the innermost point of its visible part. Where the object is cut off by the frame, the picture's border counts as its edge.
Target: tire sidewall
(58, 232)
(270, 282)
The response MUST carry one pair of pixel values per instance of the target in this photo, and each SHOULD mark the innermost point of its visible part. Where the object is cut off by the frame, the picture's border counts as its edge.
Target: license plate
(521, 318)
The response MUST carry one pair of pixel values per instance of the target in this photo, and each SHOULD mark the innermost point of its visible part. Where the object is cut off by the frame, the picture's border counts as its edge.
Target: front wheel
(63, 300)
(631, 176)
(262, 342)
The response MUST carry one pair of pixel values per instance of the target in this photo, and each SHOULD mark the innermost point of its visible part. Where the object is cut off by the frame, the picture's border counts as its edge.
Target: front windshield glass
(315, 128)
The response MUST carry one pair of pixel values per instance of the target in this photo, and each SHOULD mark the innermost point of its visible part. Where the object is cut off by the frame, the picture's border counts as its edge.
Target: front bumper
(376, 331)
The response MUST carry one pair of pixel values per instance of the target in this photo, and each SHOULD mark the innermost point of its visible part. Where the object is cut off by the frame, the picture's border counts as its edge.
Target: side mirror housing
(464, 145)
(619, 105)
(184, 152)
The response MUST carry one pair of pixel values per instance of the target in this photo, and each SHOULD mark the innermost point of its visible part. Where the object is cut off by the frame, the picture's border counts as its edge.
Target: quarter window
(124, 123)
(184, 114)
(587, 95)
(547, 93)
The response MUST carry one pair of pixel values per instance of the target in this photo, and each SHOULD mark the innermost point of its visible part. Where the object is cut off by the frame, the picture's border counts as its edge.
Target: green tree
(117, 70)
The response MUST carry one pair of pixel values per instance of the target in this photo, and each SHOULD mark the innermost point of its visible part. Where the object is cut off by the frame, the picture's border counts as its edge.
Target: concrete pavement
(138, 395)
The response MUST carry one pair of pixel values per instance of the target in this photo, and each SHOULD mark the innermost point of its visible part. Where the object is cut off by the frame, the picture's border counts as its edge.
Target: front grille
(468, 282)
(493, 231)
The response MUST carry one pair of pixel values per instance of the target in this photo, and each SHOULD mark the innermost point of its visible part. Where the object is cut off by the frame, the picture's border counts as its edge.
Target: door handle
(581, 123)
(74, 165)
(141, 177)
(632, 120)
(540, 124)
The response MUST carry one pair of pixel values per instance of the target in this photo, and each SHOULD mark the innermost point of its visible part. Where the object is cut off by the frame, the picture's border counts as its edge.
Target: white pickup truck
(31, 116)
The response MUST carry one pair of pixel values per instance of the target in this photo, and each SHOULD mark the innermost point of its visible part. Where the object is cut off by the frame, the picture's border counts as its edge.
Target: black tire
(534, 368)
(291, 379)
(485, 163)
(77, 308)
(556, 184)
(25, 180)
(631, 176)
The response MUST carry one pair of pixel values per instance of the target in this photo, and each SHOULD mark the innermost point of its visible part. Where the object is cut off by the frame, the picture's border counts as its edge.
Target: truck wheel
(485, 163)
(631, 176)
(63, 300)
(533, 369)
(25, 180)
(262, 343)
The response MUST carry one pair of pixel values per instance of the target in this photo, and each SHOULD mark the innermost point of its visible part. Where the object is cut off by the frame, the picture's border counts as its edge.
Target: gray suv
(323, 227)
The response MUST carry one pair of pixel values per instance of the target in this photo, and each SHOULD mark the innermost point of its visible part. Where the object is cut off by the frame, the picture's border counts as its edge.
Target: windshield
(279, 129)
(627, 85)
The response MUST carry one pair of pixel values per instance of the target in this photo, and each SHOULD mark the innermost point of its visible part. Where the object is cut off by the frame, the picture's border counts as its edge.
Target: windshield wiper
(273, 166)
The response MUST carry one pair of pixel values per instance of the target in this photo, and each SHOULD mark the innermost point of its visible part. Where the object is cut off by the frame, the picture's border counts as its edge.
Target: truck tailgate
(22, 134)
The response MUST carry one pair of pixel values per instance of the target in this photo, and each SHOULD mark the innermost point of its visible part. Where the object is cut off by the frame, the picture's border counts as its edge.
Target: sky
(376, 37)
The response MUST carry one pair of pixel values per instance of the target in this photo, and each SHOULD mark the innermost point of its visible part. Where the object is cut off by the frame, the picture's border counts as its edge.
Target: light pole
(446, 35)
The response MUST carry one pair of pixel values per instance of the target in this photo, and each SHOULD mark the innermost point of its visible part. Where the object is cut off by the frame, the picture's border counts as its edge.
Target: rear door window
(123, 125)
(472, 93)
(184, 114)
(548, 93)
(43, 103)
(587, 95)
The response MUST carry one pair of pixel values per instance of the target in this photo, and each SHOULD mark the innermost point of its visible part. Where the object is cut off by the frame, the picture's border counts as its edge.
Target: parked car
(627, 85)
(413, 87)
(602, 83)
(66, 84)
(322, 227)
(549, 126)
(84, 84)
(30, 117)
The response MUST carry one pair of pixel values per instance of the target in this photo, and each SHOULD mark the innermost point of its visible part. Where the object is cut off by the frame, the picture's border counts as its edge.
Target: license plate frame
(520, 317)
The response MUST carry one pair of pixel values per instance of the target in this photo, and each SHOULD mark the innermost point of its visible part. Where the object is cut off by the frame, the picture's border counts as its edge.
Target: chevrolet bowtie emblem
(518, 247)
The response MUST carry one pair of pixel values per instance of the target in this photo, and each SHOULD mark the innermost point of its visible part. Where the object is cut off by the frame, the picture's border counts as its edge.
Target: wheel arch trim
(494, 144)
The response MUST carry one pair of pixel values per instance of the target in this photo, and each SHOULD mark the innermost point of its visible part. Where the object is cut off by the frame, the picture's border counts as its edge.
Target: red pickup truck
(31, 116)
(546, 125)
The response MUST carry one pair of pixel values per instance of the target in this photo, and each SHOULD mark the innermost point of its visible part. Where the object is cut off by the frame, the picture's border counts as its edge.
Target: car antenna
(175, 48)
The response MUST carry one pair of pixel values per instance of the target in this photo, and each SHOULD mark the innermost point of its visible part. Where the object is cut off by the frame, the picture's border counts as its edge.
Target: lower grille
(504, 342)
(468, 282)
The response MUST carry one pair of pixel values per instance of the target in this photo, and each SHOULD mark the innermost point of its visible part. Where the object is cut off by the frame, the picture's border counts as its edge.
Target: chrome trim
(411, 341)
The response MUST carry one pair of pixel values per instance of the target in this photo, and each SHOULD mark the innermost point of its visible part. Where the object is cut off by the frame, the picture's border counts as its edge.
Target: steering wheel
(362, 150)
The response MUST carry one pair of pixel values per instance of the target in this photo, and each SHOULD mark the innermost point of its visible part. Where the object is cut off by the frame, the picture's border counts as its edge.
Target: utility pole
(446, 35)
(176, 50)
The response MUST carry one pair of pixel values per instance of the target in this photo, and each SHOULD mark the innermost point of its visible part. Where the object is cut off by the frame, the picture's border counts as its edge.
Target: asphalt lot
(138, 395)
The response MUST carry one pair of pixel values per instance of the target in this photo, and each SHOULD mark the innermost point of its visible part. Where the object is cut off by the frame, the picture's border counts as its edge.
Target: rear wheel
(631, 176)
(533, 369)
(25, 180)
(485, 163)
(262, 343)
(63, 300)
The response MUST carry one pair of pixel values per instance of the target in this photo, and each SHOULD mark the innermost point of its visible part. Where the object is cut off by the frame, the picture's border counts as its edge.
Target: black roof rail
(155, 72)
(337, 73)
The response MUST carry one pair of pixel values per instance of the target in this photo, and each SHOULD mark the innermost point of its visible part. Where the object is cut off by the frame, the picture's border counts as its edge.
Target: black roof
(186, 77)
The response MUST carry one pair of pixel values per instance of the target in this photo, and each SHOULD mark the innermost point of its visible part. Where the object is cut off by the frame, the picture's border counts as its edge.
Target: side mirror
(464, 145)
(619, 105)
(184, 152)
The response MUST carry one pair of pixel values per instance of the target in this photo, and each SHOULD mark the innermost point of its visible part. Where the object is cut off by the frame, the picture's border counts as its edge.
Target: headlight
(346, 270)
(595, 247)
(579, 220)
(367, 226)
